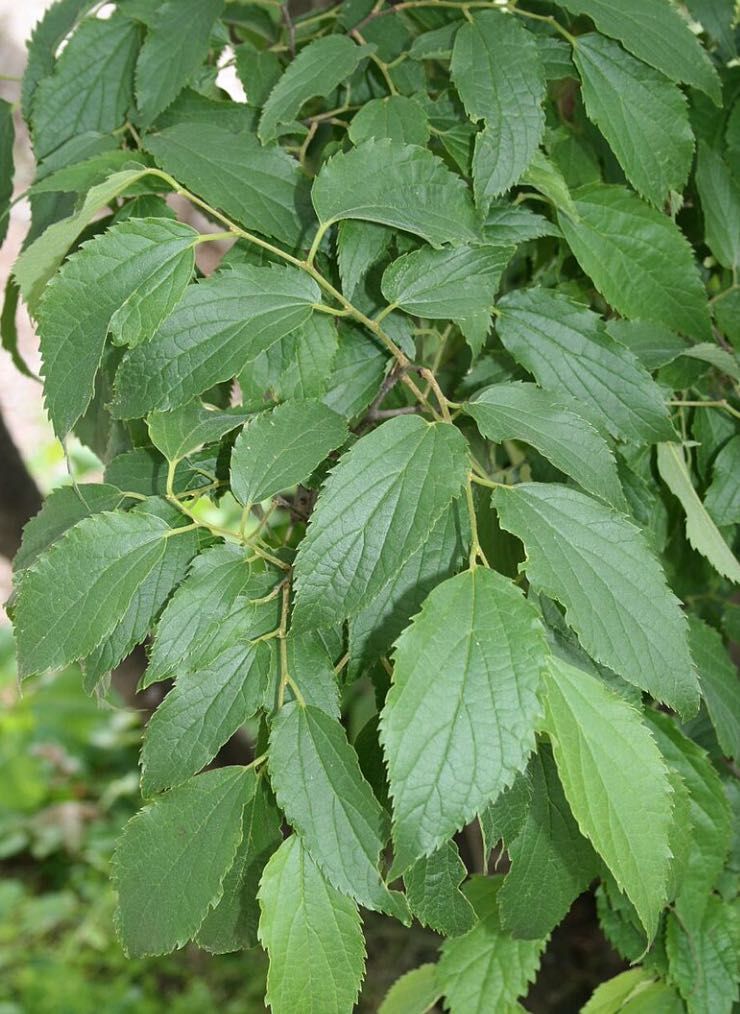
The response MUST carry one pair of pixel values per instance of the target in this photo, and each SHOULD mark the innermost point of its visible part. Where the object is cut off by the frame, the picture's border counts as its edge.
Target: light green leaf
(358, 540)
(203, 711)
(397, 117)
(452, 744)
(566, 347)
(434, 895)
(546, 177)
(723, 496)
(82, 176)
(600, 567)
(497, 71)
(525, 412)
(232, 924)
(643, 116)
(551, 861)
(193, 831)
(188, 427)
(400, 185)
(446, 284)
(655, 33)
(719, 192)
(282, 447)
(701, 531)
(359, 246)
(219, 326)
(312, 934)
(176, 44)
(126, 281)
(218, 578)
(486, 970)
(318, 69)
(613, 996)
(73, 595)
(40, 260)
(7, 137)
(416, 992)
(719, 684)
(702, 957)
(638, 259)
(318, 784)
(263, 188)
(90, 87)
(616, 783)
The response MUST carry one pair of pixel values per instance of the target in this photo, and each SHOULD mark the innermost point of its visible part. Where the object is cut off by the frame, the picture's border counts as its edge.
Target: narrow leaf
(719, 192)
(719, 684)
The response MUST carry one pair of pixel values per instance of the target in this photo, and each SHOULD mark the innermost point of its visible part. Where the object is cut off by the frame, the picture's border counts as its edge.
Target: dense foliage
(453, 422)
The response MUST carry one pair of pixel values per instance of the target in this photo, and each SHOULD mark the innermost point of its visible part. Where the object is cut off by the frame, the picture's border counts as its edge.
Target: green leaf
(357, 540)
(258, 70)
(436, 44)
(614, 996)
(600, 567)
(318, 784)
(217, 578)
(653, 344)
(525, 412)
(638, 259)
(359, 246)
(497, 71)
(62, 509)
(446, 284)
(263, 188)
(7, 137)
(232, 924)
(551, 861)
(709, 814)
(504, 819)
(722, 500)
(719, 684)
(312, 934)
(657, 34)
(510, 224)
(400, 185)
(453, 744)
(40, 260)
(219, 326)
(125, 281)
(642, 115)
(90, 87)
(416, 992)
(176, 44)
(616, 784)
(719, 192)
(433, 892)
(397, 117)
(317, 70)
(195, 831)
(73, 595)
(82, 176)
(47, 36)
(185, 429)
(701, 531)
(546, 177)
(280, 448)
(566, 347)
(486, 970)
(702, 957)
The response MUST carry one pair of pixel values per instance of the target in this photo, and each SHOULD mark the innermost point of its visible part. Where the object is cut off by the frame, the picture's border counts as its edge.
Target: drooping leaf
(498, 75)
(90, 86)
(125, 281)
(701, 531)
(357, 540)
(175, 45)
(551, 861)
(566, 347)
(570, 442)
(219, 326)
(719, 192)
(446, 284)
(188, 427)
(600, 567)
(486, 970)
(395, 116)
(454, 743)
(719, 684)
(643, 116)
(616, 784)
(656, 34)
(434, 895)
(317, 782)
(401, 185)
(282, 447)
(317, 70)
(262, 188)
(638, 259)
(312, 934)
(196, 828)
